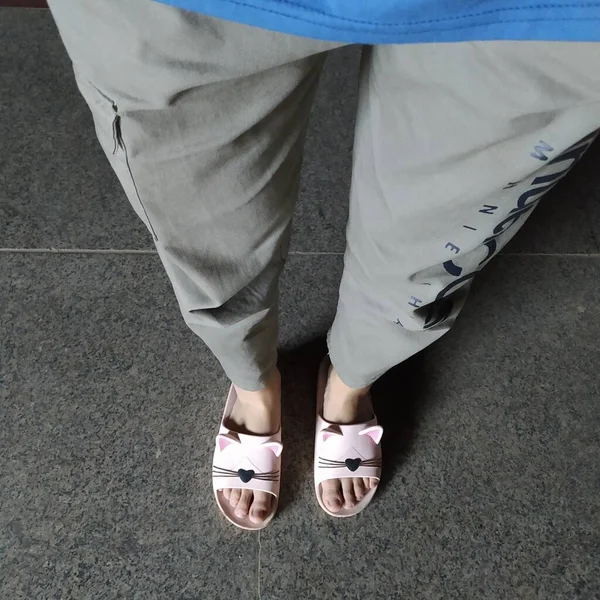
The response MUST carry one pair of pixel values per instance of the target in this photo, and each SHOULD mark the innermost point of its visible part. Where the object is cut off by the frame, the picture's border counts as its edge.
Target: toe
(243, 506)
(226, 493)
(332, 494)
(348, 491)
(359, 489)
(234, 497)
(373, 483)
(261, 505)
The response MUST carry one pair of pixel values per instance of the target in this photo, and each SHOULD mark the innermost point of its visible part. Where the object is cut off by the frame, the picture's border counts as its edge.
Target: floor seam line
(75, 251)
(258, 570)
(553, 254)
(132, 251)
(596, 241)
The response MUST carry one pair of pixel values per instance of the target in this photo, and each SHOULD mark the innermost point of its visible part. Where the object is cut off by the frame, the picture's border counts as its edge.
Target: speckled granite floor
(108, 404)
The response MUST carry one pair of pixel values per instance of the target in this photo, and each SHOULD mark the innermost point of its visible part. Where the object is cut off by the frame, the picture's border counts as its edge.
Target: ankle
(338, 390)
(258, 412)
(343, 404)
(267, 396)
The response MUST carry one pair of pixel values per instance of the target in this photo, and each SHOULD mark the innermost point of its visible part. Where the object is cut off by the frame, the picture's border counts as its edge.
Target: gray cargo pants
(204, 120)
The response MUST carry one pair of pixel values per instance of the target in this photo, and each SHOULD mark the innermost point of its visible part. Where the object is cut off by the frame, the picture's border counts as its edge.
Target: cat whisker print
(245, 474)
(350, 463)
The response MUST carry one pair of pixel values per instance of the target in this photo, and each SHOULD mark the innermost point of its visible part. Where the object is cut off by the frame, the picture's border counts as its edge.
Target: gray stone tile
(591, 191)
(561, 222)
(322, 212)
(57, 189)
(492, 448)
(109, 409)
(110, 404)
(56, 186)
(309, 294)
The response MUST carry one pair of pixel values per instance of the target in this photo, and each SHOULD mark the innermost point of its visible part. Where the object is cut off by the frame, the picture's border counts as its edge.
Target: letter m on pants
(539, 149)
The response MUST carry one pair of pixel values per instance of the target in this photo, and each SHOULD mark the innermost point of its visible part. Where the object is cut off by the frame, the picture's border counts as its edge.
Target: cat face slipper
(343, 451)
(244, 461)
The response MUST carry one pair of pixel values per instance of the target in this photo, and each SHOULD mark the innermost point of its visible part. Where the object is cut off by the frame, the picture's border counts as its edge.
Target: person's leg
(455, 146)
(203, 121)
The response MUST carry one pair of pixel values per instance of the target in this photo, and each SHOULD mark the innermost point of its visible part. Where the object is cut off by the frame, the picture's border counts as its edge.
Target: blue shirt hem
(550, 22)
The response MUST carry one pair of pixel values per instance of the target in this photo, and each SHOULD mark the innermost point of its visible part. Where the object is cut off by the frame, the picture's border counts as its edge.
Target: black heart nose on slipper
(352, 464)
(245, 476)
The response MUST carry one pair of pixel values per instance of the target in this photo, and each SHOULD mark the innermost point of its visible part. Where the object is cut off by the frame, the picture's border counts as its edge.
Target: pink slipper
(244, 461)
(344, 451)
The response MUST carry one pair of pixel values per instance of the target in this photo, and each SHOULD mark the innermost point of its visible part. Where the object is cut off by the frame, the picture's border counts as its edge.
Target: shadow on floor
(399, 397)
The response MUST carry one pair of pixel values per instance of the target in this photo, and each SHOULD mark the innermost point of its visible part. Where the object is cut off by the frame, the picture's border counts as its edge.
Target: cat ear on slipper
(374, 433)
(330, 432)
(275, 447)
(226, 439)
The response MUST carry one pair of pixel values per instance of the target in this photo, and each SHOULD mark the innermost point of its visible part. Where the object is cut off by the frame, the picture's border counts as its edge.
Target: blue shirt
(412, 21)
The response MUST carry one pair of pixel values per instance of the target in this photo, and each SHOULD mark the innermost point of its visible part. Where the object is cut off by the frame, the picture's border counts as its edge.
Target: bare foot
(346, 405)
(258, 413)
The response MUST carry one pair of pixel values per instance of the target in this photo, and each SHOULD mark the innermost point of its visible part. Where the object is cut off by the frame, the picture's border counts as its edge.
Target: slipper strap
(244, 461)
(345, 451)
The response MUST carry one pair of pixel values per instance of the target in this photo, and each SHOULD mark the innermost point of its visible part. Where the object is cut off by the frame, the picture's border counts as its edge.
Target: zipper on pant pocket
(116, 131)
(119, 144)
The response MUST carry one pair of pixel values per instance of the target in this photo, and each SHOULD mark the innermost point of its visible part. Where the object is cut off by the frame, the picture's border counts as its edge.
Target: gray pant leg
(455, 146)
(203, 121)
